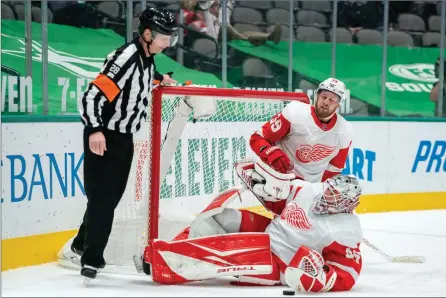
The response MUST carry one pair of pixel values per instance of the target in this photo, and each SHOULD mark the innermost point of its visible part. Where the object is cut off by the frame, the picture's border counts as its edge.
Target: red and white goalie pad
(204, 225)
(307, 273)
(190, 260)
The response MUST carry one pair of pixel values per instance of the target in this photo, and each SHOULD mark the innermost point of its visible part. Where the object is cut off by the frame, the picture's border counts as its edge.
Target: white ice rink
(398, 233)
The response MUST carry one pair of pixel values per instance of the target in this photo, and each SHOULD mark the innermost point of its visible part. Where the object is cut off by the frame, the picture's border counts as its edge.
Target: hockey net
(181, 163)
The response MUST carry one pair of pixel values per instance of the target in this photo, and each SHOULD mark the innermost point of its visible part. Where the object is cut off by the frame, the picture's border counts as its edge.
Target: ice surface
(397, 233)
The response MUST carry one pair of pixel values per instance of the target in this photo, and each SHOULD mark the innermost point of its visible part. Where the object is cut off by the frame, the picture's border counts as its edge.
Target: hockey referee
(112, 110)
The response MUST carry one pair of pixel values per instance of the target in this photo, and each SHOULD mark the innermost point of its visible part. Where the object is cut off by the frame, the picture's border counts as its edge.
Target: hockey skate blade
(87, 281)
(89, 273)
(408, 259)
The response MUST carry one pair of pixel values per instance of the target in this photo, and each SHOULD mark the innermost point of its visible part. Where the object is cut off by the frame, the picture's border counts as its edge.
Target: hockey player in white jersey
(312, 246)
(310, 140)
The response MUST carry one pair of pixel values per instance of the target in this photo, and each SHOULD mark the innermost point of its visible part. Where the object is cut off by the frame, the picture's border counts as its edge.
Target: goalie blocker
(223, 241)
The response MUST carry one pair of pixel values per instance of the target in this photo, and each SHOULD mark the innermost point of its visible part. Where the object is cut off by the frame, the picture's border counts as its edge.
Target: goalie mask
(341, 195)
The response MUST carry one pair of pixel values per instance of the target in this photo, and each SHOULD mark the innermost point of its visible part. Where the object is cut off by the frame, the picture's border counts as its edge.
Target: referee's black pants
(105, 179)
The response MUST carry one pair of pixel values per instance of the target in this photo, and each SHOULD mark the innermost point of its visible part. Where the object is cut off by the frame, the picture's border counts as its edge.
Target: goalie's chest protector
(298, 225)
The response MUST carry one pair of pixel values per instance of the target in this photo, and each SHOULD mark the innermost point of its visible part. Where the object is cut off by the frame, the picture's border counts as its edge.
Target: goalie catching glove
(307, 272)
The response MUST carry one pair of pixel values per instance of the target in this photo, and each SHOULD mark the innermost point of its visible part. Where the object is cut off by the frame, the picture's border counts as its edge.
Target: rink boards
(401, 165)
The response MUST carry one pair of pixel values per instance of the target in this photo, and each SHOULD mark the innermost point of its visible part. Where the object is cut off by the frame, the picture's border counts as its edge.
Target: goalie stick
(247, 180)
(395, 259)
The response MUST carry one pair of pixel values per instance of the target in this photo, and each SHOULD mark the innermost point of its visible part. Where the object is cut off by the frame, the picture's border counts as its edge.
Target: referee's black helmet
(158, 19)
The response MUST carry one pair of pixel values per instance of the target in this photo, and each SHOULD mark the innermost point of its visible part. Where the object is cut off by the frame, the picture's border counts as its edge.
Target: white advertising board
(42, 184)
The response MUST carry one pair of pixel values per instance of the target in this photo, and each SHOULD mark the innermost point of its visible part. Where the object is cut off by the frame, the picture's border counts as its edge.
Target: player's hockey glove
(277, 159)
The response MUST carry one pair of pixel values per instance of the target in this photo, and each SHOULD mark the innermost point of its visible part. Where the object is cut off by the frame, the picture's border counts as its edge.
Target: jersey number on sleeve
(115, 69)
(353, 253)
(276, 123)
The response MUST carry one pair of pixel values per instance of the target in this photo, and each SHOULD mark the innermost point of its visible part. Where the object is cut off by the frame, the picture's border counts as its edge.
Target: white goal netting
(196, 163)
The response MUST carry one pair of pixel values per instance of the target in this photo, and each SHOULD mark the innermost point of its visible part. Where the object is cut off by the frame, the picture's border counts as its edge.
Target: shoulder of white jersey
(346, 229)
(306, 190)
(295, 110)
(123, 53)
(344, 127)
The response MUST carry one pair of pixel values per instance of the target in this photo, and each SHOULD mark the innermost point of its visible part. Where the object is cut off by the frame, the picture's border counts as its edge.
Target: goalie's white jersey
(335, 236)
(318, 150)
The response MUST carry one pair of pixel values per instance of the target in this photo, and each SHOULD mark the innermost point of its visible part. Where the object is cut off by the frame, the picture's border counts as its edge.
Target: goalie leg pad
(228, 221)
(272, 279)
(209, 257)
(184, 234)
(204, 224)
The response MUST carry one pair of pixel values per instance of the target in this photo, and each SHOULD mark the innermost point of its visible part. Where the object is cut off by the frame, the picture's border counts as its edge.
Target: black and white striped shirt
(117, 99)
